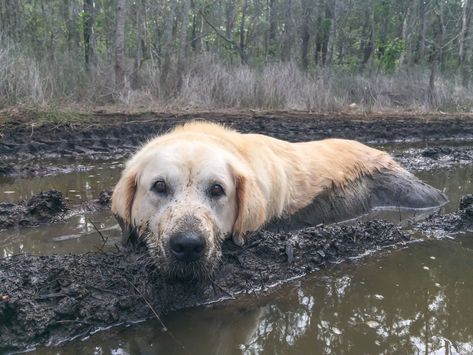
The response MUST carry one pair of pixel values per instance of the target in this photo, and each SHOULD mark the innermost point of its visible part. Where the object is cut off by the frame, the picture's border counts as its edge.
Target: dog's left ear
(122, 202)
(251, 206)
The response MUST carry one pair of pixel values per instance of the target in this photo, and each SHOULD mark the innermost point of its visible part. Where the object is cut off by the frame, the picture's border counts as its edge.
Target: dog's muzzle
(187, 246)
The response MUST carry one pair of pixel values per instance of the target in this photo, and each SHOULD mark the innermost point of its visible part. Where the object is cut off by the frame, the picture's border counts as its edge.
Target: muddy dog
(187, 190)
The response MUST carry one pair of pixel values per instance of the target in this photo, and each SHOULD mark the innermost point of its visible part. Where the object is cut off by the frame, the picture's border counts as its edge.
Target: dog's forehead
(182, 158)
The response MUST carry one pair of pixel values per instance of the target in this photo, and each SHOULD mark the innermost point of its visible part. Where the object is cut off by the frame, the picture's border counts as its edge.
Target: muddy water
(415, 300)
(77, 235)
(83, 183)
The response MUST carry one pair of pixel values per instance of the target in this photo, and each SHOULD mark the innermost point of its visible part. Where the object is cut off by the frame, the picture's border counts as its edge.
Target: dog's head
(183, 194)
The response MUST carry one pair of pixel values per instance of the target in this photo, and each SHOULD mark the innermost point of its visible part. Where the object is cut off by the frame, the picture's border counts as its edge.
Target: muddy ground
(50, 299)
(112, 137)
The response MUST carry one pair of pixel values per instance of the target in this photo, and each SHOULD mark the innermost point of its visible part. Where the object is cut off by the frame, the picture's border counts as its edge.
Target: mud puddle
(76, 235)
(78, 182)
(414, 300)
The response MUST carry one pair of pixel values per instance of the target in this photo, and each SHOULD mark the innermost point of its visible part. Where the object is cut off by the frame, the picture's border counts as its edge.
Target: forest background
(315, 55)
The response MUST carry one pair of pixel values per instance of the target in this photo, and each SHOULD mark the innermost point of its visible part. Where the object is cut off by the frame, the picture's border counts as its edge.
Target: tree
(120, 44)
(89, 35)
(463, 68)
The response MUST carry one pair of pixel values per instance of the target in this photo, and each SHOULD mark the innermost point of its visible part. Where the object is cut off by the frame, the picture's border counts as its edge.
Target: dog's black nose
(187, 246)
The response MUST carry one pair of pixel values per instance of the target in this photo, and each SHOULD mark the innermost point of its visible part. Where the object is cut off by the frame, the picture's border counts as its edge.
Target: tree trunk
(367, 40)
(436, 49)
(181, 62)
(332, 36)
(405, 37)
(166, 47)
(242, 49)
(89, 35)
(120, 45)
(288, 33)
(230, 15)
(196, 42)
(326, 31)
(306, 13)
(318, 33)
(140, 31)
(422, 32)
(271, 42)
(463, 68)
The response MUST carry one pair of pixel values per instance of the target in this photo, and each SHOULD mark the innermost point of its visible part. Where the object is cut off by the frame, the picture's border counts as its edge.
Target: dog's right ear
(122, 202)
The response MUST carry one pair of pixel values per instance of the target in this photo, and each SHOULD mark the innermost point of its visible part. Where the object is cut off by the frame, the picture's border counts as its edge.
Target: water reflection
(391, 304)
(455, 183)
(76, 235)
(82, 184)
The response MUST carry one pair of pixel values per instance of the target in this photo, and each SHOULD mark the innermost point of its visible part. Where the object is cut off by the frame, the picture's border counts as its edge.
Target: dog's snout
(187, 246)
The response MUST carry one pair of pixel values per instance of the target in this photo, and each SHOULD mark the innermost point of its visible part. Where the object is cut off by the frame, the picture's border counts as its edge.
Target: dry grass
(208, 83)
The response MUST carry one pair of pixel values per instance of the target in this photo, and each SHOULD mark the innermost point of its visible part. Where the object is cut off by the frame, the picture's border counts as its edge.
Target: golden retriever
(185, 191)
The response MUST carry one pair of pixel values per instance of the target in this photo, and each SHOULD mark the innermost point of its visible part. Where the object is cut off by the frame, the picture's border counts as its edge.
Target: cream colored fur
(272, 178)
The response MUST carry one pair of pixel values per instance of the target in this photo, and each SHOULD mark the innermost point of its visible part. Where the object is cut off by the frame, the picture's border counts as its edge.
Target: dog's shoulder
(205, 127)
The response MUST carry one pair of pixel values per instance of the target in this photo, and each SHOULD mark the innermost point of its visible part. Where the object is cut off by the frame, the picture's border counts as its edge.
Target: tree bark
(120, 45)
(405, 37)
(196, 42)
(367, 39)
(242, 44)
(463, 68)
(288, 33)
(271, 35)
(140, 31)
(89, 35)
(305, 40)
(422, 33)
(183, 43)
(166, 46)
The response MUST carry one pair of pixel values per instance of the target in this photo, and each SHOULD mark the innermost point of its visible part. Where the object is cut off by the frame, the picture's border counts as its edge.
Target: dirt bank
(25, 144)
(44, 207)
(47, 207)
(109, 136)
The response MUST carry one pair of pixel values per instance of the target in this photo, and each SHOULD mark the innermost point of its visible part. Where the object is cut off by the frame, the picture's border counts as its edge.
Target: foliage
(61, 51)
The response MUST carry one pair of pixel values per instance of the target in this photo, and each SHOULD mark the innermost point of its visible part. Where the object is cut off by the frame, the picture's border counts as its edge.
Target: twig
(156, 314)
(104, 240)
(222, 289)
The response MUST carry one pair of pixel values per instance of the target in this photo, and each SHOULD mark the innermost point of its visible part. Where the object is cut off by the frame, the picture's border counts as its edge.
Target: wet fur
(278, 184)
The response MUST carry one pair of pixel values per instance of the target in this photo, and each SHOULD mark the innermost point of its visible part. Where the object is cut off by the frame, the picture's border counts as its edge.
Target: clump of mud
(44, 207)
(460, 221)
(466, 202)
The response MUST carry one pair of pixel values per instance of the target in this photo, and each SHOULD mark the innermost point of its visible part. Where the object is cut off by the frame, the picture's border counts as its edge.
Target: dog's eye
(160, 187)
(216, 190)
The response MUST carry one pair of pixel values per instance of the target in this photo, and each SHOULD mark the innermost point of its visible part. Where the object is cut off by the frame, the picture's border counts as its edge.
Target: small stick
(104, 240)
(98, 231)
(223, 289)
(156, 314)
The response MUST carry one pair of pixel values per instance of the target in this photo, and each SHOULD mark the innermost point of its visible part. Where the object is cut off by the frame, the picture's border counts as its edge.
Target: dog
(184, 192)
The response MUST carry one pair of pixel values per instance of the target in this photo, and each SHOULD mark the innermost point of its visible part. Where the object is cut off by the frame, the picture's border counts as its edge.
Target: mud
(444, 225)
(51, 299)
(48, 207)
(116, 136)
(431, 158)
(44, 207)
